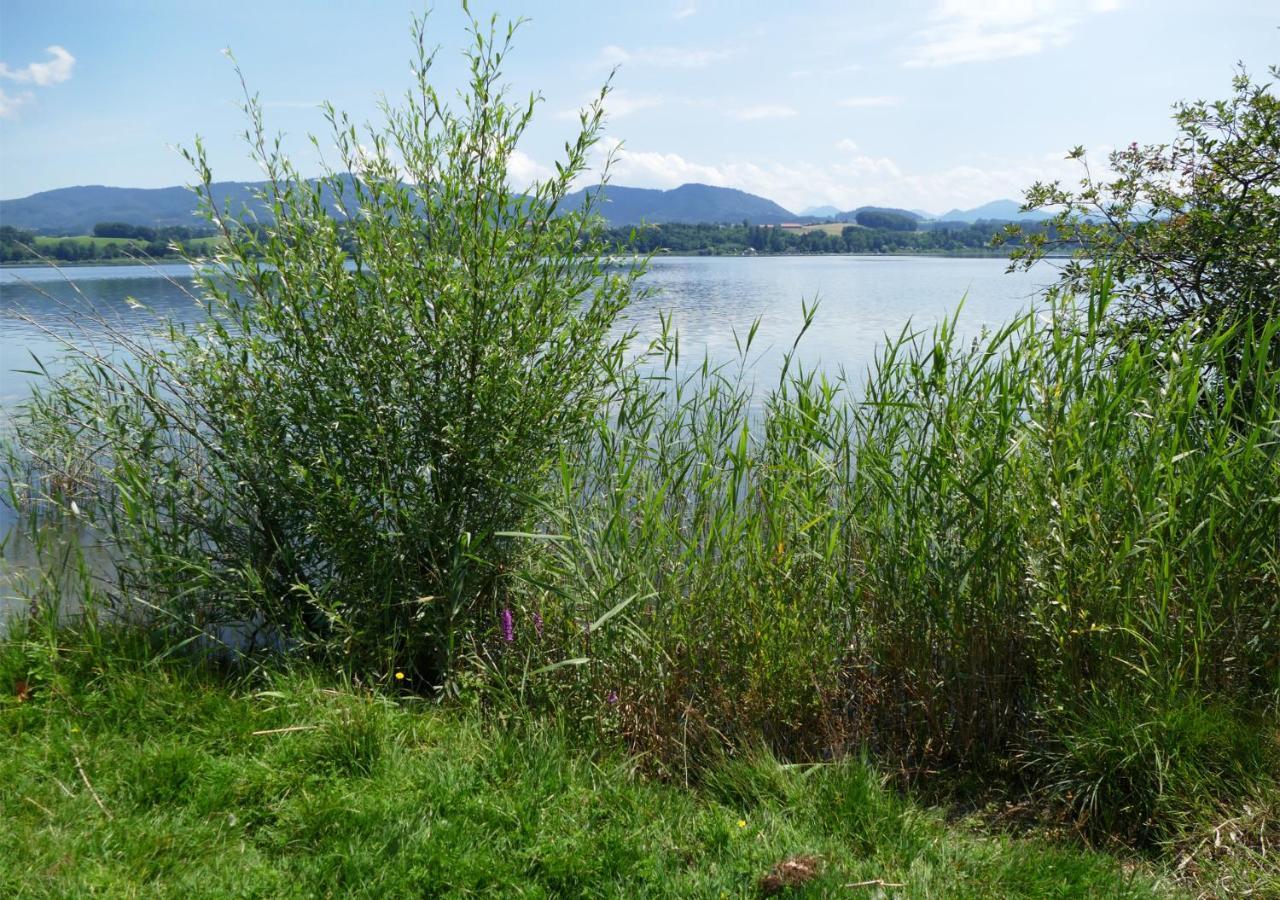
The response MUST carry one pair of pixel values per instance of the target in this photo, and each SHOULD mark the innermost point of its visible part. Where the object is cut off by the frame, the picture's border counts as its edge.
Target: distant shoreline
(92, 263)
(684, 254)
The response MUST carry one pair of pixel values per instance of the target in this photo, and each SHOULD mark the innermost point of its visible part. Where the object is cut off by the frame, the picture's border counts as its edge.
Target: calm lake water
(861, 299)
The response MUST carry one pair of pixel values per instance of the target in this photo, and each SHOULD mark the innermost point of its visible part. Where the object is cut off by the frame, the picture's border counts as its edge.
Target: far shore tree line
(959, 238)
(109, 241)
(121, 240)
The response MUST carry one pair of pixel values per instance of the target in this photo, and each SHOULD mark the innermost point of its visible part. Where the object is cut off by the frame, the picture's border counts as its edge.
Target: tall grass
(1042, 552)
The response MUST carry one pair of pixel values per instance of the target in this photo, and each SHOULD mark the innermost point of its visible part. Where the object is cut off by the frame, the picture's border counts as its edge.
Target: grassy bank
(127, 779)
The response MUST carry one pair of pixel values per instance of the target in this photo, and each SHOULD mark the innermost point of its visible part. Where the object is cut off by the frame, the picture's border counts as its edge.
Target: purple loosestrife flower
(508, 625)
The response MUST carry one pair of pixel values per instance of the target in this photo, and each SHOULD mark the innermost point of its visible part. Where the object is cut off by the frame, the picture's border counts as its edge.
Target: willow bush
(393, 355)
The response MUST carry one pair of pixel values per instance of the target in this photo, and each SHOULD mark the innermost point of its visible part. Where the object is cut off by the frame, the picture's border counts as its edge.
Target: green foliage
(149, 779)
(333, 455)
(1189, 229)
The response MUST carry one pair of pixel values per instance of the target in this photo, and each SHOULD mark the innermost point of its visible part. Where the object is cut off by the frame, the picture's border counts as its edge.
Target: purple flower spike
(537, 623)
(508, 625)
(612, 698)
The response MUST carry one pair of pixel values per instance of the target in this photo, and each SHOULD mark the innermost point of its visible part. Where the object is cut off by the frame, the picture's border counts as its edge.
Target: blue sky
(925, 104)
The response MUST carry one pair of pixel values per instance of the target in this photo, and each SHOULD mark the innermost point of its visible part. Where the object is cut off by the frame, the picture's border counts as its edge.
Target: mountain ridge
(76, 209)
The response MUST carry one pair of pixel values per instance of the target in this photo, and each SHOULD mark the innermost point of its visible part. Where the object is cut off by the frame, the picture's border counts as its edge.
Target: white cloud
(523, 170)
(54, 71)
(762, 111)
(651, 169)
(847, 145)
(11, 103)
(618, 105)
(867, 102)
(664, 57)
(684, 11)
(965, 31)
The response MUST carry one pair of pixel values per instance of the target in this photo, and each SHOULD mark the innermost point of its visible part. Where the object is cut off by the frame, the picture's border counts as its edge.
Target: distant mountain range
(75, 210)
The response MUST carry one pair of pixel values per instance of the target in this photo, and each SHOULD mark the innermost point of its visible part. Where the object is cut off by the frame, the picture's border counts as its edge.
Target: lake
(708, 298)
(861, 298)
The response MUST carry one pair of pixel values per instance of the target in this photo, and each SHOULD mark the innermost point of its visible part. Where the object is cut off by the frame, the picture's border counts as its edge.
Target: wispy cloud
(868, 102)
(847, 145)
(967, 31)
(43, 74)
(684, 11)
(664, 57)
(762, 111)
(11, 103)
(826, 71)
(618, 105)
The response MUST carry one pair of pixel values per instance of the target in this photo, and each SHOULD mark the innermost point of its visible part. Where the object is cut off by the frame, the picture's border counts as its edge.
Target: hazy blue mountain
(75, 210)
(689, 204)
(820, 212)
(1000, 210)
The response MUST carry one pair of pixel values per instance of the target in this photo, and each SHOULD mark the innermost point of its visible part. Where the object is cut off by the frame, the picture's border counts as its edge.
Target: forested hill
(687, 204)
(75, 210)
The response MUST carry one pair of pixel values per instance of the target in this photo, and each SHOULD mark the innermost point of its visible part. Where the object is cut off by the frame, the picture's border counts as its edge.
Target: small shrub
(1150, 770)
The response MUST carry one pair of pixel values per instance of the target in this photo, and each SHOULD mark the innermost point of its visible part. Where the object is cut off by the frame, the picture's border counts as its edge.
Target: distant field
(96, 242)
(835, 228)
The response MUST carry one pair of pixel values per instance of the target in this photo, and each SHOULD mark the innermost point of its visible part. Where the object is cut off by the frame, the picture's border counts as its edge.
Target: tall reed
(967, 561)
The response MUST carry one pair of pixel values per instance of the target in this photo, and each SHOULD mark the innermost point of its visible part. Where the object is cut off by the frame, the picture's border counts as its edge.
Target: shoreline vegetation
(425, 581)
(656, 240)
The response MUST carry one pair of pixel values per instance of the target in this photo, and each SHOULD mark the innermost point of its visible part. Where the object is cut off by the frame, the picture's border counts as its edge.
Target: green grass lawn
(149, 781)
